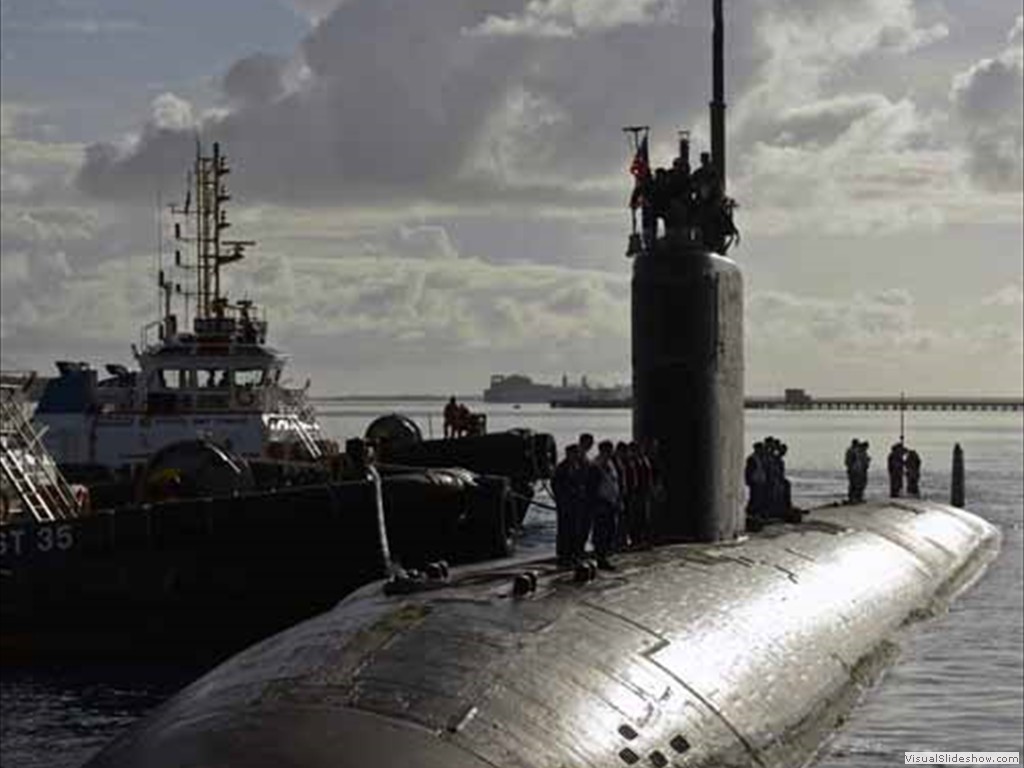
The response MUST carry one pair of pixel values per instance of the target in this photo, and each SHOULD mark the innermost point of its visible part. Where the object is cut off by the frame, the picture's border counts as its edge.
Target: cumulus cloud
(171, 113)
(811, 152)
(392, 103)
(869, 328)
(988, 99)
(567, 18)
(421, 301)
(824, 121)
(863, 324)
(876, 342)
(32, 169)
(428, 241)
(1007, 296)
(448, 178)
(315, 10)
(398, 102)
(518, 102)
(254, 80)
(809, 41)
(858, 163)
(462, 305)
(1016, 34)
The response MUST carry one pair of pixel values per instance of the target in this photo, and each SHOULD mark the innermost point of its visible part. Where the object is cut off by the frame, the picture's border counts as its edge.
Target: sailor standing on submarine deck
(857, 463)
(584, 520)
(569, 488)
(850, 460)
(604, 498)
(896, 462)
(755, 475)
(913, 468)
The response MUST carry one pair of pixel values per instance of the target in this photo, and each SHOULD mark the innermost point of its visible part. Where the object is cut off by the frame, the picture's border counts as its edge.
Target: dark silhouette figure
(451, 417)
(857, 461)
(770, 492)
(640, 517)
(782, 490)
(656, 496)
(569, 487)
(895, 466)
(661, 196)
(693, 203)
(604, 497)
(850, 460)
(777, 502)
(585, 519)
(912, 464)
(755, 475)
(680, 193)
(586, 442)
(706, 183)
(711, 210)
(627, 494)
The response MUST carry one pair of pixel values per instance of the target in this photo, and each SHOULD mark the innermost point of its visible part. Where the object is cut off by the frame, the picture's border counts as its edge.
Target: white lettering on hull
(47, 538)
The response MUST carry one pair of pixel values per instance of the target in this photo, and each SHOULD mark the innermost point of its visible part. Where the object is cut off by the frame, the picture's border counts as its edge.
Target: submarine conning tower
(687, 334)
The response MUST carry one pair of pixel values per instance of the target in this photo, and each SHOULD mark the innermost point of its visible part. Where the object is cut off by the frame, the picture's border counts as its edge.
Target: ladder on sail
(27, 466)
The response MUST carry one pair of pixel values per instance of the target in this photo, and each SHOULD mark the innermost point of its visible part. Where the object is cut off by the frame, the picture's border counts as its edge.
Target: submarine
(715, 647)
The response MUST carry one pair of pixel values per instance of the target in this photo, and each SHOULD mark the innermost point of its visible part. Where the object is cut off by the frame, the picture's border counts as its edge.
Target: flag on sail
(641, 170)
(641, 167)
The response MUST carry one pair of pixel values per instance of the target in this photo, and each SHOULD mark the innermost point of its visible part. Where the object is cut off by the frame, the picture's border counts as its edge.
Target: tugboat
(192, 506)
(217, 382)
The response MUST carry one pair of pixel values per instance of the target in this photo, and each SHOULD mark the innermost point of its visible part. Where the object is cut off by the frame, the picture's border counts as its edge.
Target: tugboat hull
(200, 578)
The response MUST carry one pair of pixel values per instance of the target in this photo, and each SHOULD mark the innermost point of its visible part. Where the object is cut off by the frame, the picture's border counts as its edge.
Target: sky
(439, 189)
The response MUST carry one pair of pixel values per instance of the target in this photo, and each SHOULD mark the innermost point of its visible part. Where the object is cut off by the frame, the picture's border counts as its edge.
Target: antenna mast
(903, 406)
(718, 92)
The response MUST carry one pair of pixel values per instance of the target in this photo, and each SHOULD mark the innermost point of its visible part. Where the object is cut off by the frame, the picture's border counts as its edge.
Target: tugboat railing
(307, 441)
(28, 467)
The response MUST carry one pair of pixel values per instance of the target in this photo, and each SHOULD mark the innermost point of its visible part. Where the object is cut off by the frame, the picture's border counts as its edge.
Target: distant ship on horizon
(519, 388)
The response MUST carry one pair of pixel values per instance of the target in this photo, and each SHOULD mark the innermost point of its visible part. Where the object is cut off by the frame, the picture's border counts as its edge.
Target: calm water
(959, 684)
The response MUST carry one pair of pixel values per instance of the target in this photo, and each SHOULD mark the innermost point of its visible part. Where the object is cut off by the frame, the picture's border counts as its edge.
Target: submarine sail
(687, 341)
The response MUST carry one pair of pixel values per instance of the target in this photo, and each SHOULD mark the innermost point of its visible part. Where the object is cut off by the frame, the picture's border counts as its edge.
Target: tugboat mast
(208, 220)
(211, 219)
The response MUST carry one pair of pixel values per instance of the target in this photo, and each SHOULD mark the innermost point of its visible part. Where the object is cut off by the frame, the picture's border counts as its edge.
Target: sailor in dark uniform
(568, 487)
(755, 475)
(895, 466)
(605, 498)
(851, 460)
(912, 464)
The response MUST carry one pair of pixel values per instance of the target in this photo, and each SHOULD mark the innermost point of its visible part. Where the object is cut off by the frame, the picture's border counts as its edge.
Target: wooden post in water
(956, 486)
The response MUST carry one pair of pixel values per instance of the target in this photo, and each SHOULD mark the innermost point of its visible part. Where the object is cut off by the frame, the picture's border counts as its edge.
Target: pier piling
(956, 486)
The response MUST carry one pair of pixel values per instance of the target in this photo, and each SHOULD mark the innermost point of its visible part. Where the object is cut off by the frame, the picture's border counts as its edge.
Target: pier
(878, 403)
(841, 403)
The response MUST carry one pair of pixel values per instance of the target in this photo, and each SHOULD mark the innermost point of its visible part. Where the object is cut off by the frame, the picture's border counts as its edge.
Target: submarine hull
(688, 386)
(741, 654)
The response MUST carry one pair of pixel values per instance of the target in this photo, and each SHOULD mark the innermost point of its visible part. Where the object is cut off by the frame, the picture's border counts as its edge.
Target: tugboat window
(249, 377)
(212, 378)
(171, 378)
